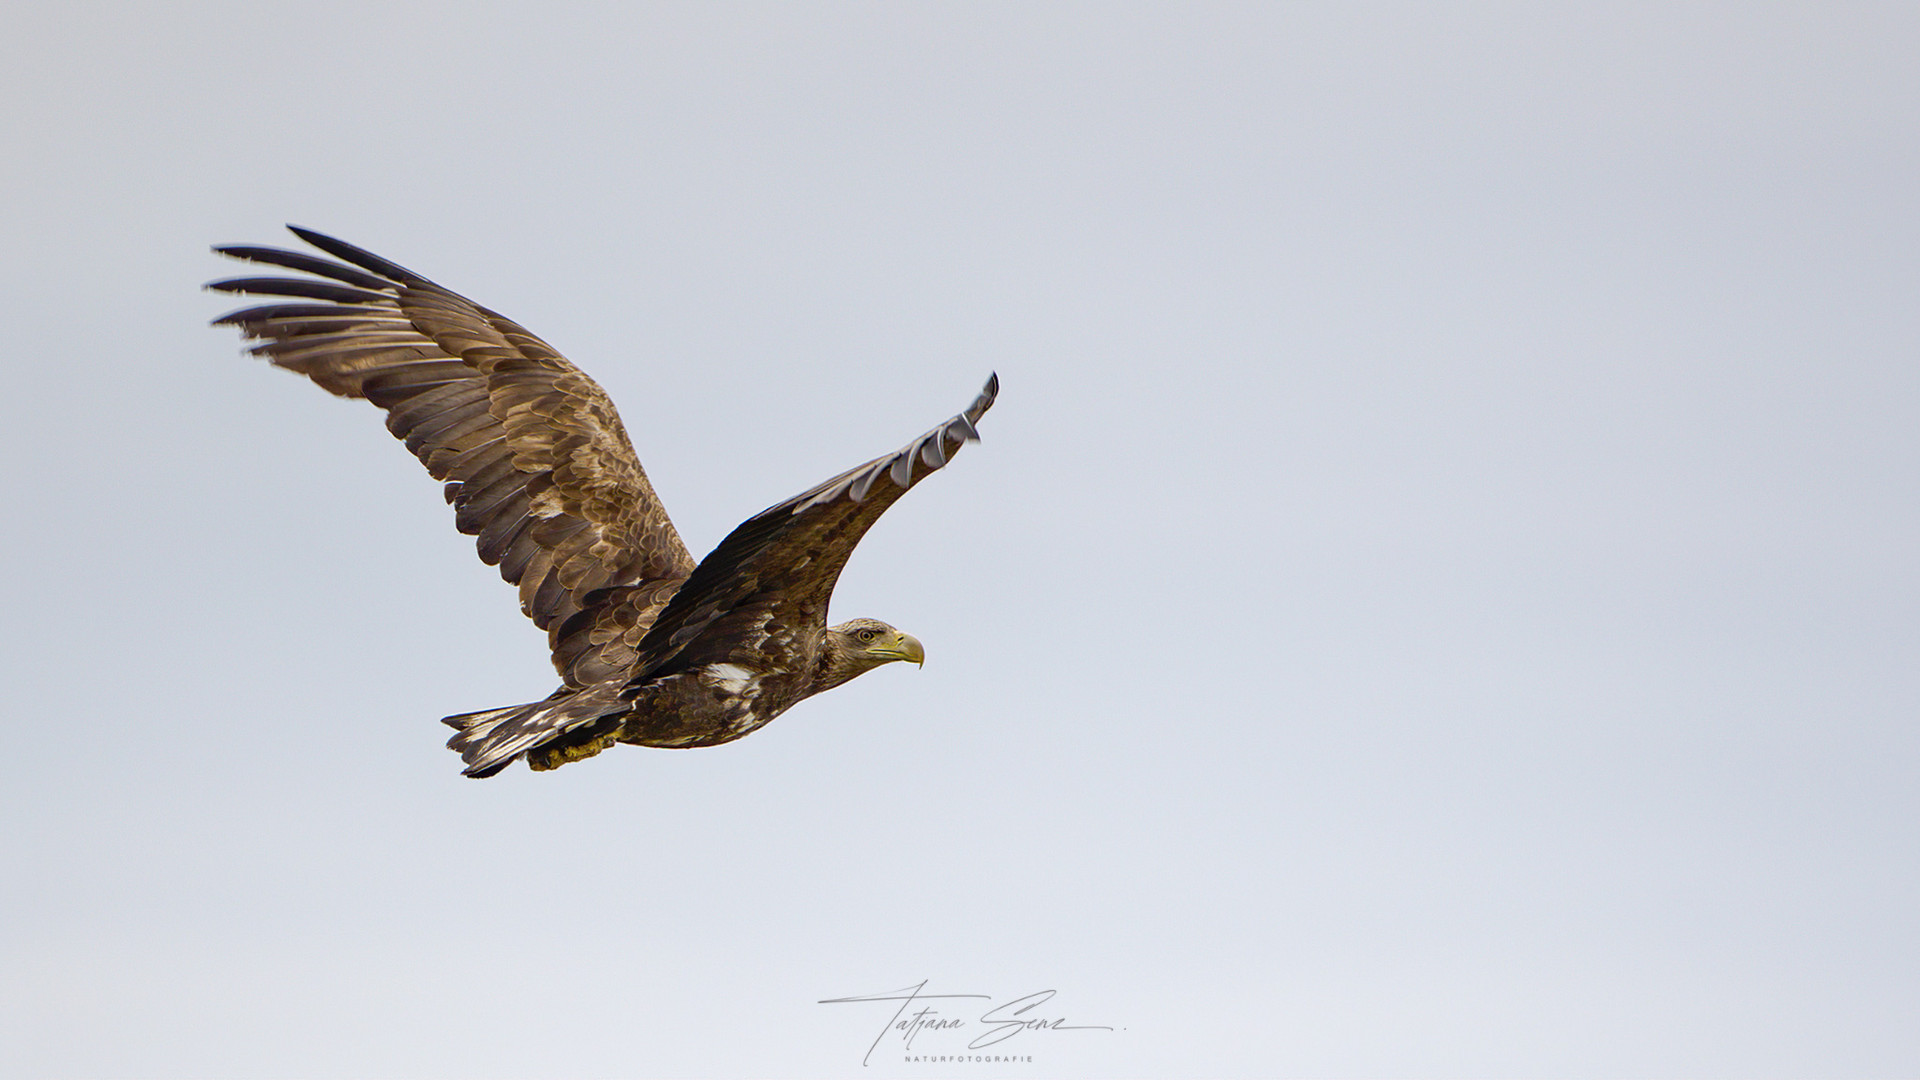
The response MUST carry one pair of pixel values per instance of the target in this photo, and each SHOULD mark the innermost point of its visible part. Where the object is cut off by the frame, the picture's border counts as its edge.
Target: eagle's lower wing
(537, 464)
(774, 574)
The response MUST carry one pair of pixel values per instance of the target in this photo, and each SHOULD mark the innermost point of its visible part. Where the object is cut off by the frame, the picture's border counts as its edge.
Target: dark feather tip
(360, 257)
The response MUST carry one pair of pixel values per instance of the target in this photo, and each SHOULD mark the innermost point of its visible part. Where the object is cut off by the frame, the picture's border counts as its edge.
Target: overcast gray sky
(1436, 597)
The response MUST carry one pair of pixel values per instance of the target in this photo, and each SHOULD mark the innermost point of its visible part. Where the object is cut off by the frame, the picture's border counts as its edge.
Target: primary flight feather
(653, 648)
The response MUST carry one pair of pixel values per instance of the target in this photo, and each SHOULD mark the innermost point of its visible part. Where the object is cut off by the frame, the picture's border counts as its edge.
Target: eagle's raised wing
(537, 464)
(772, 576)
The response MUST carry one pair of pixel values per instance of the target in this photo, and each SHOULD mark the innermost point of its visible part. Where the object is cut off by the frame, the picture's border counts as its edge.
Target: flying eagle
(652, 648)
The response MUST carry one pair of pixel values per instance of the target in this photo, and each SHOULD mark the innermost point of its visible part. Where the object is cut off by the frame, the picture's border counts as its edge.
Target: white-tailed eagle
(652, 648)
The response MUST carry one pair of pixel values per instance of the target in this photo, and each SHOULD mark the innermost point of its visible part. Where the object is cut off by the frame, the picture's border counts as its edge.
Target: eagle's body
(652, 647)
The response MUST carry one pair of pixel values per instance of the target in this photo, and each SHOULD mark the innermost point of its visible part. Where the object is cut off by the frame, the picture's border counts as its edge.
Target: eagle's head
(856, 647)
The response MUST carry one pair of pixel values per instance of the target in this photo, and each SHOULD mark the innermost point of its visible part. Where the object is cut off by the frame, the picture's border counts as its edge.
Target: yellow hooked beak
(902, 647)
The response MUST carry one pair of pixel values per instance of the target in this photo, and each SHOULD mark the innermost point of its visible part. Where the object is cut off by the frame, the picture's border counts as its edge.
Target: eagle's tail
(570, 725)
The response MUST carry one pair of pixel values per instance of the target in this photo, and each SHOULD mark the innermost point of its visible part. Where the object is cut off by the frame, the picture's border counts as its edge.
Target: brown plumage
(652, 647)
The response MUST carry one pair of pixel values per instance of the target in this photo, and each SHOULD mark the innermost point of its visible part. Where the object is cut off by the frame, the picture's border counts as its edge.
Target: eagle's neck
(836, 665)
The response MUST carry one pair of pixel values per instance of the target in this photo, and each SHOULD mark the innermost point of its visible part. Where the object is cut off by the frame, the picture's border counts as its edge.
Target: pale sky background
(1437, 596)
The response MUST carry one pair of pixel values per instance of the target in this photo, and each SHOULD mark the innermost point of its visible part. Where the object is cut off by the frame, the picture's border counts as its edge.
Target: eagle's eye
(866, 635)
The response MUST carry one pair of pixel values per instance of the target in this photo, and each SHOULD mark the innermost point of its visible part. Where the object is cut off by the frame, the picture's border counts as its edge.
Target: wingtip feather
(360, 257)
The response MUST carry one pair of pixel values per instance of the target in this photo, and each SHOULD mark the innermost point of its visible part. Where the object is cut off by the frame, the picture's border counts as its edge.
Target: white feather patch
(731, 678)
